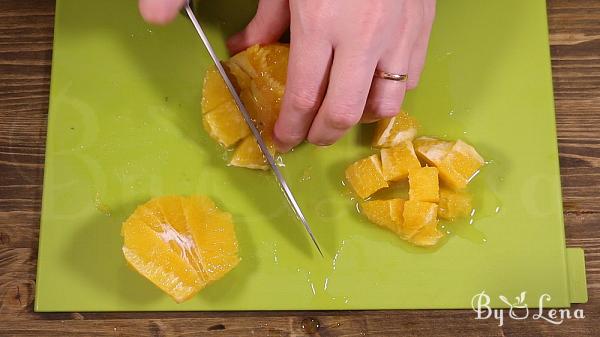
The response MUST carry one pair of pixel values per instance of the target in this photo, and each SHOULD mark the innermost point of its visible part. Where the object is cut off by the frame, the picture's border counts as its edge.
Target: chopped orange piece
(365, 176)
(226, 124)
(424, 184)
(454, 204)
(259, 74)
(427, 236)
(432, 150)
(397, 160)
(181, 244)
(417, 215)
(249, 155)
(395, 130)
(385, 213)
(214, 91)
(460, 165)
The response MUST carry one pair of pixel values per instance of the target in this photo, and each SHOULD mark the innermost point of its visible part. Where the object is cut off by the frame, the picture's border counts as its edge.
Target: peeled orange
(181, 244)
(259, 75)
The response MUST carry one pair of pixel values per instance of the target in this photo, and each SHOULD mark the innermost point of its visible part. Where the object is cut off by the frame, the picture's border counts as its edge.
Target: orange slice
(259, 74)
(385, 213)
(181, 244)
(366, 176)
(424, 184)
(395, 130)
(214, 90)
(397, 160)
(454, 204)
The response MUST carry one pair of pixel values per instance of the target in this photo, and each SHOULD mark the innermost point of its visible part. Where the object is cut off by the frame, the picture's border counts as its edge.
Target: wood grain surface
(26, 29)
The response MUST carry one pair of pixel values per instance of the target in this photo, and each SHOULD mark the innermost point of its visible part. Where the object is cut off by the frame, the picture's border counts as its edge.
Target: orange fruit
(366, 176)
(259, 75)
(395, 130)
(454, 204)
(417, 215)
(427, 236)
(249, 155)
(385, 213)
(431, 150)
(181, 244)
(397, 160)
(460, 165)
(423, 184)
(225, 124)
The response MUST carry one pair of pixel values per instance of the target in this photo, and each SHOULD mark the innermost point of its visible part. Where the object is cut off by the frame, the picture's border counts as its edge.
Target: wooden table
(25, 57)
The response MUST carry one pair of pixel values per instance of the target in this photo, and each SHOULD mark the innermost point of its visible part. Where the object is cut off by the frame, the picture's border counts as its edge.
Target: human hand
(336, 46)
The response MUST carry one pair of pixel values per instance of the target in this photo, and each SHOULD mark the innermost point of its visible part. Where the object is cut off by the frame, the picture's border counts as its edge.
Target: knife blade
(261, 143)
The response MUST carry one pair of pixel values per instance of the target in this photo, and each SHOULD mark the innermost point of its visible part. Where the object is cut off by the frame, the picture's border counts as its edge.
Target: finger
(419, 53)
(308, 69)
(271, 20)
(160, 12)
(386, 96)
(349, 83)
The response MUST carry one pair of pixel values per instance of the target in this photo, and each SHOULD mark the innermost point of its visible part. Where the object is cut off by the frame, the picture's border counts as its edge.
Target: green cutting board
(124, 126)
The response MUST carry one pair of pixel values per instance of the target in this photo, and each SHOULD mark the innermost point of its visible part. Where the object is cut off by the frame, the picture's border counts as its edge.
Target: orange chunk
(214, 90)
(181, 244)
(424, 184)
(432, 150)
(454, 204)
(397, 160)
(385, 213)
(427, 236)
(417, 215)
(366, 176)
(395, 130)
(226, 124)
(460, 165)
(249, 155)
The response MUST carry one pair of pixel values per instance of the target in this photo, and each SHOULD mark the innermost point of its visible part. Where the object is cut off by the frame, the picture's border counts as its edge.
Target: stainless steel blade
(261, 143)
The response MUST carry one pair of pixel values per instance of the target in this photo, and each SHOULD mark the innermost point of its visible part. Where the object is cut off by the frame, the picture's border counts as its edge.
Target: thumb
(270, 22)
(160, 12)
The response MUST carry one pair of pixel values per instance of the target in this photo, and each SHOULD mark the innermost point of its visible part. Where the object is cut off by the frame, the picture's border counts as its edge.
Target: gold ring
(390, 76)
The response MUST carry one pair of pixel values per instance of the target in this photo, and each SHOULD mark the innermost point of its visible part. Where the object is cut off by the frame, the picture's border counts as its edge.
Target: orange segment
(249, 155)
(366, 176)
(180, 244)
(395, 130)
(397, 160)
(460, 165)
(226, 124)
(454, 204)
(427, 236)
(214, 90)
(417, 214)
(424, 184)
(432, 150)
(385, 213)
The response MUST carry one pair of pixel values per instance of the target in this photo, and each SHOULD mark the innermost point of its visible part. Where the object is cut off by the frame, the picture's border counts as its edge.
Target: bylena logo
(519, 310)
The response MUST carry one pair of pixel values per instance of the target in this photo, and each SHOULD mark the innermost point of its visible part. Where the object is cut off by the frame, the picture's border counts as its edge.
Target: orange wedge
(431, 150)
(226, 124)
(249, 155)
(427, 236)
(366, 176)
(460, 165)
(181, 244)
(395, 130)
